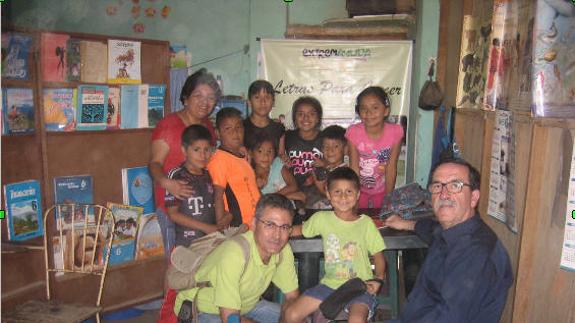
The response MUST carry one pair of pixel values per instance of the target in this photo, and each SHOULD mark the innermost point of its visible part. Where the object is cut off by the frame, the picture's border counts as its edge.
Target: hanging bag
(430, 96)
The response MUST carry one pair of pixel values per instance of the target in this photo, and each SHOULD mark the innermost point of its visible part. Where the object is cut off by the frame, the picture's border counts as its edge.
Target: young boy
(348, 241)
(261, 96)
(231, 173)
(194, 217)
(333, 147)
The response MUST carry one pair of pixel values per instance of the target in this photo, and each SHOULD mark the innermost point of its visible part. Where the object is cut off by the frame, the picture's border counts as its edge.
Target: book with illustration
(127, 218)
(53, 56)
(74, 190)
(17, 110)
(24, 210)
(113, 116)
(15, 53)
(73, 60)
(138, 188)
(156, 95)
(149, 242)
(59, 109)
(92, 109)
(124, 62)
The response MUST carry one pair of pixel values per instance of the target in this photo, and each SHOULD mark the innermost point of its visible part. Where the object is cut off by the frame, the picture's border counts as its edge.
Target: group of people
(260, 173)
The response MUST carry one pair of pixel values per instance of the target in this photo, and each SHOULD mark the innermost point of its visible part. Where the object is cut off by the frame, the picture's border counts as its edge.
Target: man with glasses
(466, 274)
(236, 288)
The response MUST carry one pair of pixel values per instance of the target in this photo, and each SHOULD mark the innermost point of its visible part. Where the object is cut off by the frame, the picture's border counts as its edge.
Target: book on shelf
(156, 96)
(138, 188)
(24, 210)
(76, 189)
(53, 56)
(143, 92)
(59, 109)
(149, 242)
(92, 109)
(17, 110)
(124, 62)
(127, 218)
(15, 52)
(94, 58)
(73, 60)
(180, 56)
(129, 103)
(113, 115)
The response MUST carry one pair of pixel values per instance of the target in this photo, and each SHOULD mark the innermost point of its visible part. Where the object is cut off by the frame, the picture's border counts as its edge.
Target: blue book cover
(24, 210)
(156, 95)
(129, 96)
(18, 110)
(92, 108)
(15, 52)
(138, 188)
(127, 219)
(75, 190)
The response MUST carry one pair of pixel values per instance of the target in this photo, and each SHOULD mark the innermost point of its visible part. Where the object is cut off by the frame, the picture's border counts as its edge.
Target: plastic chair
(81, 245)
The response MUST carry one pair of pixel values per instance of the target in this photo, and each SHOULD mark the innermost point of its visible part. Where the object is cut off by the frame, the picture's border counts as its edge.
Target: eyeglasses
(200, 97)
(269, 225)
(452, 187)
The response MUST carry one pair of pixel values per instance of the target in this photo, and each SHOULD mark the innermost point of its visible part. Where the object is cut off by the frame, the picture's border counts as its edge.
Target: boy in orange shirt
(235, 187)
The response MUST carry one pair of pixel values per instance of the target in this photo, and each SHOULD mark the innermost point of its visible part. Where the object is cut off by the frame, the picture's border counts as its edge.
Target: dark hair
(226, 113)
(194, 133)
(309, 100)
(343, 173)
(334, 132)
(378, 91)
(474, 176)
(259, 85)
(200, 77)
(273, 200)
(259, 140)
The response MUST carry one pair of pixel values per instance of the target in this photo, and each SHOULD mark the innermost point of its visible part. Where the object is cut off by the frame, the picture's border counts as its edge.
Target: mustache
(441, 203)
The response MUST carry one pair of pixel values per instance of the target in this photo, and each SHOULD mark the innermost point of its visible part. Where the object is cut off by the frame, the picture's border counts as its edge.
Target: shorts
(322, 291)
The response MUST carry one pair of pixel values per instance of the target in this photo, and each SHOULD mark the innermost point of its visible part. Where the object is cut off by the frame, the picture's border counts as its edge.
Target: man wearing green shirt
(236, 288)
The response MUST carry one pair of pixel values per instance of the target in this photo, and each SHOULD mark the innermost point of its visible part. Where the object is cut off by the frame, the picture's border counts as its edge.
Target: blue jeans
(264, 312)
(168, 229)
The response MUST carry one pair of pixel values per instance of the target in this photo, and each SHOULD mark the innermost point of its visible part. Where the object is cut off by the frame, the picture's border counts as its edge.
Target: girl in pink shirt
(374, 146)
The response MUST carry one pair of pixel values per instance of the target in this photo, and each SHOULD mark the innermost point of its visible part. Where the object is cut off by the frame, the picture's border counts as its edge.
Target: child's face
(343, 195)
(333, 151)
(231, 133)
(198, 155)
(262, 103)
(306, 119)
(263, 155)
(372, 111)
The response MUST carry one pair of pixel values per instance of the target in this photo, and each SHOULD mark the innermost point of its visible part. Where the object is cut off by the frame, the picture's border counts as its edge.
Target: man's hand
(398, 223)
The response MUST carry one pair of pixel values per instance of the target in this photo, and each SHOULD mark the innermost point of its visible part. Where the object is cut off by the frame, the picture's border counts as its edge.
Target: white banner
(335, 72)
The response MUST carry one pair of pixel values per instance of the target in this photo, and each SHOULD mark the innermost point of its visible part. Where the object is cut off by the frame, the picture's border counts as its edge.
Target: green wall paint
(422, 121)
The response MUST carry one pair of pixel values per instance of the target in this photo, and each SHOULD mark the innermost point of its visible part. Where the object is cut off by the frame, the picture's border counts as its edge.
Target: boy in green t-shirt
(348, 241)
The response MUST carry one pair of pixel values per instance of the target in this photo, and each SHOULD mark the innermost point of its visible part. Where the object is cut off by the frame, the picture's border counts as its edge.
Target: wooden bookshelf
(102, 154)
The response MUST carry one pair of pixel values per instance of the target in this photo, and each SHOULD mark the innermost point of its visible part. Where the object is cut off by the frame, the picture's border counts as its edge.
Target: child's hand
(310, 180)
(179, 188)
(285, 160)
(319, 163)
(373, 285)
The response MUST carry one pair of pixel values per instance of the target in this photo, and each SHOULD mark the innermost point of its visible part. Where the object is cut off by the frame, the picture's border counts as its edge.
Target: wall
(421, 122)
(210, 28)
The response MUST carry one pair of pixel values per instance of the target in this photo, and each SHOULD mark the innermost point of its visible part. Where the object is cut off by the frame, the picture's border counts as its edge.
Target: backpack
(185, 261)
